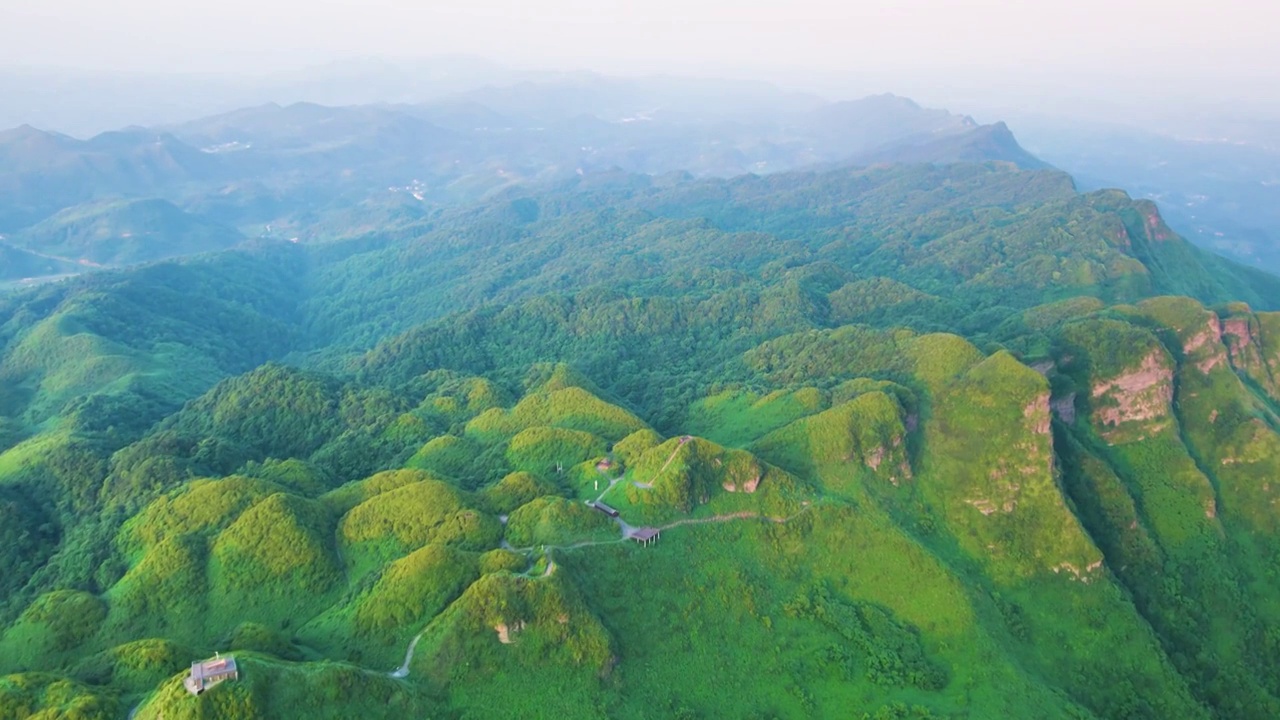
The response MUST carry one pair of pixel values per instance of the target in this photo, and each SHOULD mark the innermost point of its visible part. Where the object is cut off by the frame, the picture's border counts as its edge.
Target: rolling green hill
(42, 172)
(912, 441)
(125, 232)
(18, 264)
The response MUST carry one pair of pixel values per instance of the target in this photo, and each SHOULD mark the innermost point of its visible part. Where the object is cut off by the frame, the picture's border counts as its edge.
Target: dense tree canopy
(920, 440)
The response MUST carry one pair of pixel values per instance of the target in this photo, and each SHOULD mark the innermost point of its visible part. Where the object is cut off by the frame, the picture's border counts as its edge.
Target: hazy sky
(1107, 59)
(1200, 37)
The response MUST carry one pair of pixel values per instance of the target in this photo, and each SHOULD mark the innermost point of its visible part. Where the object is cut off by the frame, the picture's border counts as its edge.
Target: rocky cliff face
(1136, 401)
(1252, 347)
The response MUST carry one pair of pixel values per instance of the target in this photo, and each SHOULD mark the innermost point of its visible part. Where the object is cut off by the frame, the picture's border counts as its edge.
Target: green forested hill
(921, 442)
(997, 235)
(18, 264)
(124, 232)
(44, 172)
(308, 171)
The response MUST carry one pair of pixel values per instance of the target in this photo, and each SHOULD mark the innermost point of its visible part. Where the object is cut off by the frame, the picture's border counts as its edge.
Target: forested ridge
(926, 441)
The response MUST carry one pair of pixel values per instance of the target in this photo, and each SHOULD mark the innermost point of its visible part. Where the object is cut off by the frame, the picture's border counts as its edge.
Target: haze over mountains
(1220, 185)
(138, 194)
(467, 126)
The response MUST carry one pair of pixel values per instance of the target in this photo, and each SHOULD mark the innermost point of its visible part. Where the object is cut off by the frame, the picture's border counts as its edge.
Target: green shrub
(571, 408)
(341, 500)
(412, 590)
(200, 506)
(543, 621)
(296, 475)
(633, 446)
(135, 667)
(165, 591)
(448, 455)
(557, 521)
(515, 490)
(71, 616)
(866, 433)
(41, 696)
(413, 515)
(502, 560)
(273, 689)
(541, 450)
(263, 639)
(280, 546)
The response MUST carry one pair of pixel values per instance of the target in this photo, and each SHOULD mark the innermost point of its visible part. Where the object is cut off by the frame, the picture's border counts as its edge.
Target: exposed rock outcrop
(1141, 394)
(1038, 412)
(748, 486)
(1084, 575)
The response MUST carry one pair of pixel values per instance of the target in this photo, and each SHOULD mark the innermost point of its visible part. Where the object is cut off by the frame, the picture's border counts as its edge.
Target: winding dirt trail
(683, 440)
(574, 546)
(645, 485)
(403, 670)
(626, 530)
(729, 517)
(612, 481)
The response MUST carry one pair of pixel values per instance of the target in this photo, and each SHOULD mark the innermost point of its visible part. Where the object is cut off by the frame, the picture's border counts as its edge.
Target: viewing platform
(646, 535)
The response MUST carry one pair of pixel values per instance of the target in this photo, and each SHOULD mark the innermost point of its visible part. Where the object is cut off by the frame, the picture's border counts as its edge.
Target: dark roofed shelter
(644, 536)
(605, 509)
(205, 675)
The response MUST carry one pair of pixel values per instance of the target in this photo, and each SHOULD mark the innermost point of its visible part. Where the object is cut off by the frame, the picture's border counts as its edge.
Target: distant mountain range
(319, 172)
(125, 232)
(315, 172)
(19, 264)
(42, 173)
(1211, 168)
(1220, 188)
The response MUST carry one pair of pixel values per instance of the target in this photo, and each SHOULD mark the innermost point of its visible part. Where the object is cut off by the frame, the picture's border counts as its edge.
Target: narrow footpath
(627, 531)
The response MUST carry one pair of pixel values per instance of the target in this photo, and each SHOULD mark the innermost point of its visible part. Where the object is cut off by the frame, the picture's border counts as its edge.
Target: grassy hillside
(907, 442)
(871, 476)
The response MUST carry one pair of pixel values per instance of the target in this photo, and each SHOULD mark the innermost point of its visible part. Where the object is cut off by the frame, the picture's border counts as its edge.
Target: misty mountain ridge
(18, 264)
(42, 173)
(976, 143)
(305, 168)
(125, 232)
(1224, 195)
